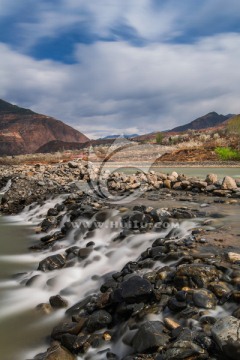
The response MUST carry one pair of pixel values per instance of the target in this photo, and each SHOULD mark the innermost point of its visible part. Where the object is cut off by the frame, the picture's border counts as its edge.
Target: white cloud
(115, 86)
(151, 22)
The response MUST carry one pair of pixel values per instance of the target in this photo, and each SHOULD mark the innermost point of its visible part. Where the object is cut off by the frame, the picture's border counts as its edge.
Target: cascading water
(21, 293)
(6, 187)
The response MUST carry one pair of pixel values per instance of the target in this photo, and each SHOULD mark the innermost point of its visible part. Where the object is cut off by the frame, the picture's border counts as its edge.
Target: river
(23, 330)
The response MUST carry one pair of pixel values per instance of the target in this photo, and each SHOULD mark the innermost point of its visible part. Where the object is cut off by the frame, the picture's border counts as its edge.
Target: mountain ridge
(203, 122)
(23, 131)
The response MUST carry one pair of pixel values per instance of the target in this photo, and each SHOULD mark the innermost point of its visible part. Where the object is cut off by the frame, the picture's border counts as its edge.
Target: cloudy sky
(114, 66)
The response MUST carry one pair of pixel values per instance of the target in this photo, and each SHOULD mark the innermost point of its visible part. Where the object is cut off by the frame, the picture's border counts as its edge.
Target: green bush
(226, 153)
(159, 138)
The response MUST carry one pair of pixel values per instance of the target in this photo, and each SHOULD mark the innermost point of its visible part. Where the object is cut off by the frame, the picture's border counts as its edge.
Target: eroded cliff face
(23, 131)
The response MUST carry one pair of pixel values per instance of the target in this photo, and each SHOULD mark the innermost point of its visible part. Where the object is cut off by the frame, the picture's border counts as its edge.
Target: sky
(121, 66)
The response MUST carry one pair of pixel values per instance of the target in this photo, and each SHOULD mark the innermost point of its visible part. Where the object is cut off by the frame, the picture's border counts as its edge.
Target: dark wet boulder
(52, 263)
(109, 284)
(52, 212)
(76, 344)
(150, 336)
(204, 299)
(195, 275)
(58, 302)
(226, 333)
(72, 328)
(219, 288)
(175, 305)
(48, 224)
(79, 306)
(185, 350)
(136, 289)
(67, 227)
(98, 320)
(236, 313)
(182, 214)
(136, 220)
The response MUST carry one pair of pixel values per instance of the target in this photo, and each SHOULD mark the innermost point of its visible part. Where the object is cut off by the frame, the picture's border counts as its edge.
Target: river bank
(147, 274)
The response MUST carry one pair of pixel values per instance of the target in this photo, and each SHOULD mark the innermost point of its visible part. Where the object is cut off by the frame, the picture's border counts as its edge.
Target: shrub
(159, 138)
(216, 136)
(226, 153)
(204, 137)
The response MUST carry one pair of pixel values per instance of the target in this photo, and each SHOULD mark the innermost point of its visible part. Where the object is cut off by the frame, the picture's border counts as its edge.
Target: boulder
(56, 352)
(233, 257)
(136, 289)
(58, 302)
(149, 337)
(226, 333)
(52, 263)
(185, 350)
(204, 299)
(195, 275)
(211, 179)
(229, 183)
(98, 320)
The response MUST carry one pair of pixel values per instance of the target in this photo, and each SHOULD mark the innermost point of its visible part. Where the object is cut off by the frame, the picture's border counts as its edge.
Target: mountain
(117, 136)
(23, 131)
(58, 145)
(207, 121)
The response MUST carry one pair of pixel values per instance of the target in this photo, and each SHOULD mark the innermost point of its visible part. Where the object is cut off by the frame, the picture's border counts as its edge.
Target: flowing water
(23, 330)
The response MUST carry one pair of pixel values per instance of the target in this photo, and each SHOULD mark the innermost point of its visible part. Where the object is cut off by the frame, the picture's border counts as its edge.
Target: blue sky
(114, 66)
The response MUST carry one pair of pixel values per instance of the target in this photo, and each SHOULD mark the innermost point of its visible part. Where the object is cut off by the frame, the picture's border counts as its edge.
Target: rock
(75, 309)
(171, 324)
(98, 320)
(41, 183)
(181, 213)
(72, 328)
(149, 337)
(204, 299)
(199, 184)
(184, 350)
(211, 188)
(76, 344)
(167, 184)
(175, 174)
(233, 257)
(56, 352)
(195, 275)
(236, 313)
(73, 165)
(176, 305)
(52, 212)
(136, 289)
(211, 179)
(84, 252)
(226, 333)
(222, 193)
(177, 186)
(219, 288)
(52, 263)
(58, 302)
(44, 308)
(229, 183)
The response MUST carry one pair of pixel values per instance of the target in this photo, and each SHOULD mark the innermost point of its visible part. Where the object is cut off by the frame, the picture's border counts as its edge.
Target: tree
(159, 138)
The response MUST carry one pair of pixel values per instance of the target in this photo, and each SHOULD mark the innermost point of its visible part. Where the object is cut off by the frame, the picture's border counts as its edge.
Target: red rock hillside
(22, 131)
